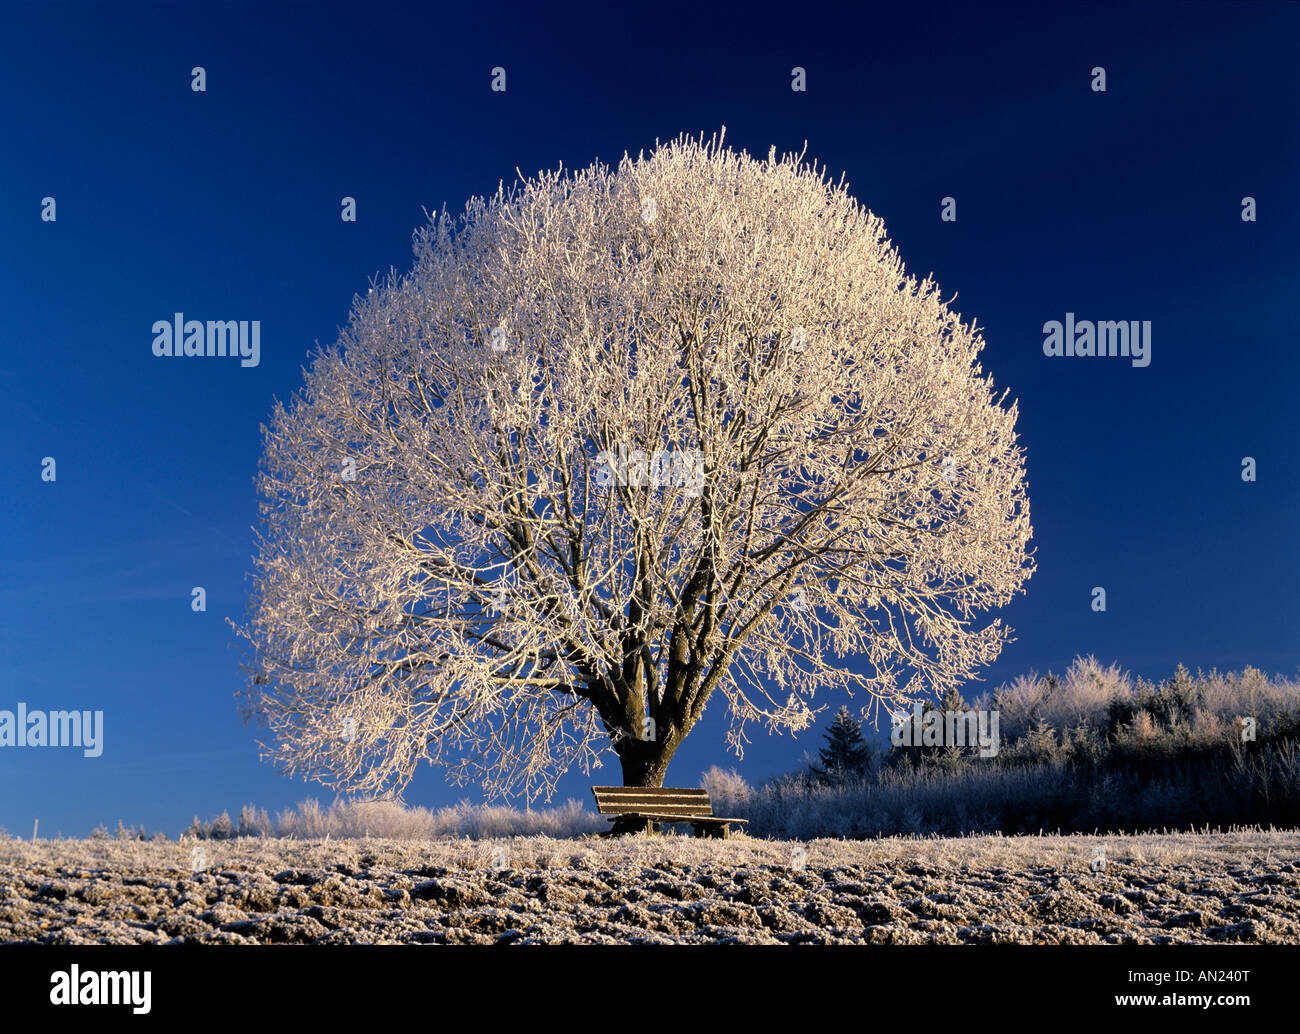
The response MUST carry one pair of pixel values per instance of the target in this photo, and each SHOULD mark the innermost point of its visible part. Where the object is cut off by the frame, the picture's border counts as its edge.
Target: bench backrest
(651, 800)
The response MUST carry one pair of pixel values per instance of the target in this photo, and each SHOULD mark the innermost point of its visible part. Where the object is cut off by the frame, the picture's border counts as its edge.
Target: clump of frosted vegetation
(1083, 696)
(1100, 699)
(724, 786)
(391, 820)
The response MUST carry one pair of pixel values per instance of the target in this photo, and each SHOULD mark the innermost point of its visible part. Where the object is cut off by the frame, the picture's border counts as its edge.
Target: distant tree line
(252, 823)
(1091, 750)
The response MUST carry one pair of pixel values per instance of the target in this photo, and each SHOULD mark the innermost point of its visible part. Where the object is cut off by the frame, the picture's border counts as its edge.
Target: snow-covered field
(1238, 887)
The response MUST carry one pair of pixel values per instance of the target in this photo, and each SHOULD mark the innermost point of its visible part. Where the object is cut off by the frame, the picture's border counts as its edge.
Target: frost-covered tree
(952, 701)
(222, 828)
(846, 755)
(622, 443)
(253, 822)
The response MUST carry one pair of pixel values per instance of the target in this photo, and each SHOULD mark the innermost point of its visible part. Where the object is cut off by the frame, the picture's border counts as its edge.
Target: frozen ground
(1238, 887)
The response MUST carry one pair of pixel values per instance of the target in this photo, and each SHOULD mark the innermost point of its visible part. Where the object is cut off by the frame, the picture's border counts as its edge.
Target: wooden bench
(637, 808)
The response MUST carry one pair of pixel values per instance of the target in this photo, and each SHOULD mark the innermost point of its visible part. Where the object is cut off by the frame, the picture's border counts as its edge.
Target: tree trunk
(645, 762)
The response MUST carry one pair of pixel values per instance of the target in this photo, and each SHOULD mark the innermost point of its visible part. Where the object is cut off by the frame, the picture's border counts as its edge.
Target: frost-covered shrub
(1082, 697)
(222, 828)
(725, 787)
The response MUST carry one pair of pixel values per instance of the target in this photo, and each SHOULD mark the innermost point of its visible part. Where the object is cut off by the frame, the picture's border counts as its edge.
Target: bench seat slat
(648, 799)
(701, 798)
(675, 818)
(652, 796)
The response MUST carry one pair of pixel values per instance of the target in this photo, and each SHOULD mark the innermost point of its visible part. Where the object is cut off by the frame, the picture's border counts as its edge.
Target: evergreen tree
(846, 754)
(949, 755)
(952, 700)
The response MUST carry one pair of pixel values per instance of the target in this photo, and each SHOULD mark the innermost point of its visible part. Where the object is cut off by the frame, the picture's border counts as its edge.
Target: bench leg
(715, 830)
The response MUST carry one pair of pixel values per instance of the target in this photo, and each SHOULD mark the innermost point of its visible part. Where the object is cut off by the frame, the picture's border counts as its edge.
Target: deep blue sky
(225, 204)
